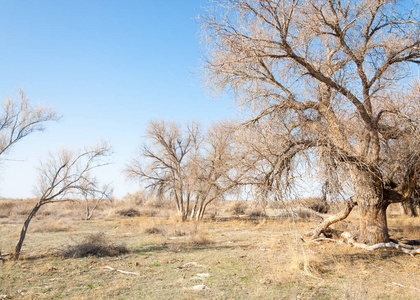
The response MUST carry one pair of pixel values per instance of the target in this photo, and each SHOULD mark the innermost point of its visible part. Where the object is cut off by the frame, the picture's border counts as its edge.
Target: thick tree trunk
(19, 245)
(369, 195)
(373, 224)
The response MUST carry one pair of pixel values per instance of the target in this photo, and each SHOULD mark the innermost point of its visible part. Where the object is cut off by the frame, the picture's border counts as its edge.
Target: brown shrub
(21, 209)
(137, 198)
(94, 245)
(6, 208)
(256, 213)
(155, 202)
(177, 246)
(237, 208)
(128, 212)
(317, 204)
(155, 230)
(51, 225)
(300, 213)
(199, 239)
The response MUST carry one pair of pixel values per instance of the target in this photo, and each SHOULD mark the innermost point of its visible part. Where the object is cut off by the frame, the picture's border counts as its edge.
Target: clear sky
(108, 68)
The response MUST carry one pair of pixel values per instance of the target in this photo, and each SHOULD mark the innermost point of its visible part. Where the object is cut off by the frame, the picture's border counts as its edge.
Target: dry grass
(51, 225)
(300, 213)
(128, 212)
(93, 245)
(234, 258)
(237, 208)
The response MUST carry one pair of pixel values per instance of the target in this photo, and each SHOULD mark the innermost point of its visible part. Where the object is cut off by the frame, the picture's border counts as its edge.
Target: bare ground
(233, 259)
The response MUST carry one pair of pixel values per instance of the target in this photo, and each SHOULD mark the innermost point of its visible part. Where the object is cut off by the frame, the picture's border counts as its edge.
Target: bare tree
(65, 176)
(191, 168)
(164, 162)
(333, 73)
(19, 119)
(215, 171)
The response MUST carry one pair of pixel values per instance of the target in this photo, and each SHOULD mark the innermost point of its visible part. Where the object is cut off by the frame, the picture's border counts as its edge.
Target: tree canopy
(334, 78)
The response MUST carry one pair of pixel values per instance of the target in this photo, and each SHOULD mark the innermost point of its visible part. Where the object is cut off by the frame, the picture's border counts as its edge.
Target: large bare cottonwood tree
(334, 74)
(68, 175)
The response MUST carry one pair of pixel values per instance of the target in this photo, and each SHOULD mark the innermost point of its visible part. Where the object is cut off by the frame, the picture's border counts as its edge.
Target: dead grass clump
(94, 245)
(306, 262)
(128, 212)
(300, 213)
(156, 202)
(237, 208)
(177, 246)
(6, 208)
(346, 226)
(256, 213)
(186, 230)
(149, 212)
(137, 198)
(21, 209)
(199, 239)
(315, 203)
(51, 225)
(155, 230)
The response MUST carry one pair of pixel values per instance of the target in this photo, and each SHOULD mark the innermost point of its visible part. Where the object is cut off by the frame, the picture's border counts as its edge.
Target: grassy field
(227, 258)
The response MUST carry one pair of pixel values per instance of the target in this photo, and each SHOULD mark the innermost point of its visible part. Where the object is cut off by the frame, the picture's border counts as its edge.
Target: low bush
(237, 208)
(94, 245)
(300, 213)
(155, 230)
(199, 239)
(51, 225)
(128, 212)
(6, 208)
(256, 213)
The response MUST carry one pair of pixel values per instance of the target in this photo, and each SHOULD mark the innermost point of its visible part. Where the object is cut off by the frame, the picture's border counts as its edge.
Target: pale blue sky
(108, 67)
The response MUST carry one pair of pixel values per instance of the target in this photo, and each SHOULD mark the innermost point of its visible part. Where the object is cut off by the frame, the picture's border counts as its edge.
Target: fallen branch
(328, 240)
(332, 219)
(403, 286)
(121, 271)
(404, 249)
(350, 240)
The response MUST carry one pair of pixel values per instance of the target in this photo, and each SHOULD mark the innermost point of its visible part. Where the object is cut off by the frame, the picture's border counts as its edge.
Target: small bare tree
(19, 119)
(67, 175)
(92, 199)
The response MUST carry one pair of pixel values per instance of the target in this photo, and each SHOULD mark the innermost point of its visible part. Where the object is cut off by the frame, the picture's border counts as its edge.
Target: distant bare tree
(19, 119)
(92, 199)
(191, 168)
(65, 176)
(215, 172)
(164, 163)
(331, 75)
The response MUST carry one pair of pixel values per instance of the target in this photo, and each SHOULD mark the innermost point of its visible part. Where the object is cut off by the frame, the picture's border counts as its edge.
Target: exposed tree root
(350, 240)
(331, 220)
(402, 247)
